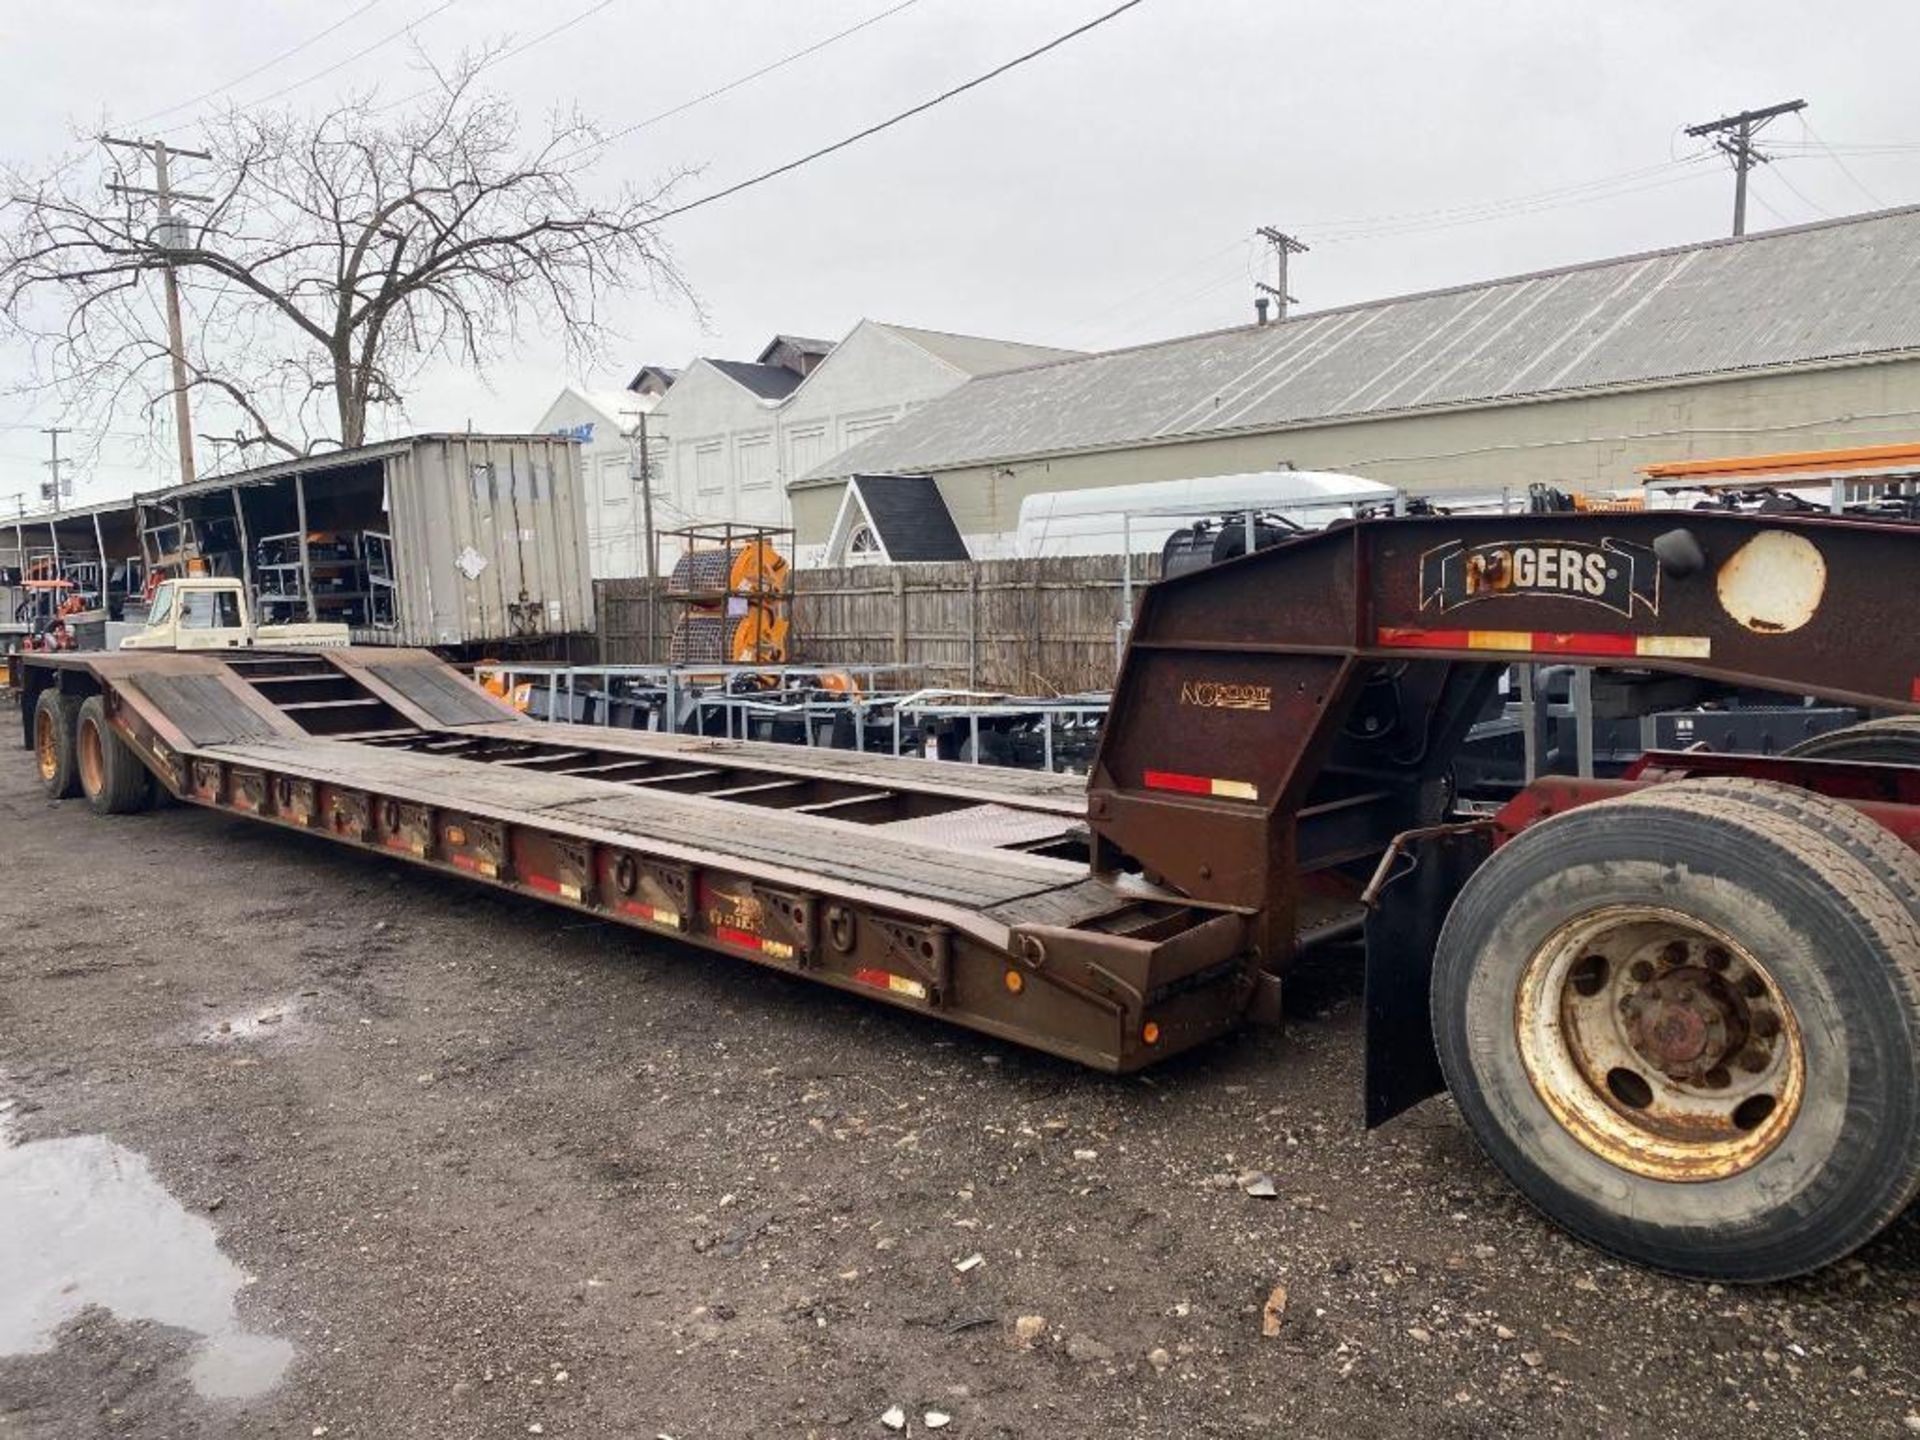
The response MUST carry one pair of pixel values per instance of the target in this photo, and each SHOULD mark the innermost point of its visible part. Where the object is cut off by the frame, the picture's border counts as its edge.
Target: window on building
(859, 429)
(863, 547)
(753, 461)
(710, 468)
(806, 449)
(615, 486)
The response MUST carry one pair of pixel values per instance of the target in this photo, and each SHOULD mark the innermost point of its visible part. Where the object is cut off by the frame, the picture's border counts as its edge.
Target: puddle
(84, 1222)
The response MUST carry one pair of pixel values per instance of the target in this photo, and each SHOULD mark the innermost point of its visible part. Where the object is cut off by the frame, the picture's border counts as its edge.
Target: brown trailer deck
(1681, 1011)
(958, 890)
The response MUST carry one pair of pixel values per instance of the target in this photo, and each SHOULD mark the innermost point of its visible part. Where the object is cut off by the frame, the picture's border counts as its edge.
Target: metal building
(1796, 338)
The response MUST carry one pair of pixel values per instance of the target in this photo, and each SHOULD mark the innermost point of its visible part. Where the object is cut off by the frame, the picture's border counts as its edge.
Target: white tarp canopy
(1116, 519)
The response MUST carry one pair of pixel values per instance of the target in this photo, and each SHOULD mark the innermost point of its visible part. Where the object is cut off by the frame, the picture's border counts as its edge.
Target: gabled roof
(615, 407)
(769, 382)
(905, 515)
(977, 354)
(910, 517)
(1841, 290)
(663, 375)
(801, 343)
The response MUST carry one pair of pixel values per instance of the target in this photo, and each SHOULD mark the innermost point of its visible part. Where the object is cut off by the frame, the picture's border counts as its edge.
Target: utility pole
(164, 194)
(53, 434)
(1283, 246)
(640, 470)
(1733, 136)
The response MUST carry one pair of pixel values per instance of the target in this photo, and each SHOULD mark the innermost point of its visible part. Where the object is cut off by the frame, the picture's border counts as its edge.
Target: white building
(738, 432)
(601, 421)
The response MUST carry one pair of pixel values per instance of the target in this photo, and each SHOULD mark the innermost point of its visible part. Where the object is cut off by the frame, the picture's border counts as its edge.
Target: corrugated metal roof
(1841, 289)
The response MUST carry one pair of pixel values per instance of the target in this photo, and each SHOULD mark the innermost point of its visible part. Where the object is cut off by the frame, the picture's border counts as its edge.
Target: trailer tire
(53, 733)
(1891, 859)
(1617, 936)
(112, 777)
(1894, 740)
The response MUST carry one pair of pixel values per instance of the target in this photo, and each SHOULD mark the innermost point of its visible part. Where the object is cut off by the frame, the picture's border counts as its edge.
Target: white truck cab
(211, 614)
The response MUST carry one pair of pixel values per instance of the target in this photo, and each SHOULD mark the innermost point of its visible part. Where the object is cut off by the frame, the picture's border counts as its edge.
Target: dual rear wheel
(1686, 1024)
(78, 753)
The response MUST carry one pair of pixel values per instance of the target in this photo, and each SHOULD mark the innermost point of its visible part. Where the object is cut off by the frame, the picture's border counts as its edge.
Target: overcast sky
(1103, 195)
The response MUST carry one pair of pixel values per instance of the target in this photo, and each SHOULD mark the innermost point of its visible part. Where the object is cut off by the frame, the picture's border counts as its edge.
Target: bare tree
(334, 258)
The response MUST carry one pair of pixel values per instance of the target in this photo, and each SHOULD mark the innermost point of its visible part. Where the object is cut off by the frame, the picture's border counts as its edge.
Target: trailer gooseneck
(1681, 1010)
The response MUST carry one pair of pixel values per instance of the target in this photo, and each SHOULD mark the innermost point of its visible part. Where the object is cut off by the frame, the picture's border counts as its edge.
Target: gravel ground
(494, 1171)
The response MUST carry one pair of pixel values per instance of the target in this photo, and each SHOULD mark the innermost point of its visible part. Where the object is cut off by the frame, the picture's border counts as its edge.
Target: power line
(1845, 170)
(511, 52)
(1794, 190)
(1852, 147)
(1602, 187)
(379, 44)
(768, 69)
(894, 120)
(258, 69)
(1127, 300)
(1513, 212)
(1410, 223)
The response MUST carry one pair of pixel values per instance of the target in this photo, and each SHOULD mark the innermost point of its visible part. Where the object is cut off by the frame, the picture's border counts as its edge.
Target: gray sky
(1104, 195)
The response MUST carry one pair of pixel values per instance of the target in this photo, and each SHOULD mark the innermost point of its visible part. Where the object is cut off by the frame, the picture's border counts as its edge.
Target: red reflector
(1185, 784)
(879, 979)
(542, 882)
(1426, 639)
(746, 940)
(1548, 642)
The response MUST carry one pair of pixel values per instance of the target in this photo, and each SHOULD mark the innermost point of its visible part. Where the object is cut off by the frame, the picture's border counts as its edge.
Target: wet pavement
(83, 1222)
(499, 1171)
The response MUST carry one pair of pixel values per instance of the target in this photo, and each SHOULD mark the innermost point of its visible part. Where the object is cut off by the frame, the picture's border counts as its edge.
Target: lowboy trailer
(1680, 1010)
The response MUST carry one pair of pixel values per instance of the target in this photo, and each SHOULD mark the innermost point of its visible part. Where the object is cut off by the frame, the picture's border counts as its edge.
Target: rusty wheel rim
(1660, 1043)
(92, 763)
(46, 745)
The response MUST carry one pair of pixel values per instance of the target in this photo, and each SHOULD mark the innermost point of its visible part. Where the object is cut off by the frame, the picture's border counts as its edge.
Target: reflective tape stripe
(1549, 642)
(553, 887)
(1200, 785)
(654, 913)
(747, 940)
(887, 980)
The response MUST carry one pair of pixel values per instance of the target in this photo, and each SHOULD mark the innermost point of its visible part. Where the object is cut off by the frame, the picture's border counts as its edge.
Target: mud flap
(1402, 930)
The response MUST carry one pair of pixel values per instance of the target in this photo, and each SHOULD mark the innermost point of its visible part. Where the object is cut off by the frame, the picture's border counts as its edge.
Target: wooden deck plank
(814, 848)
(1026, 789)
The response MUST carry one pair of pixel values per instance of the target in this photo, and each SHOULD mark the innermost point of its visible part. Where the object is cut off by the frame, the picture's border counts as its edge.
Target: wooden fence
(1035, 627)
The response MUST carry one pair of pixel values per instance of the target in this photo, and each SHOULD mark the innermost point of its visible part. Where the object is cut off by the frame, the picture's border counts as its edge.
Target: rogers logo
(1616, 574)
